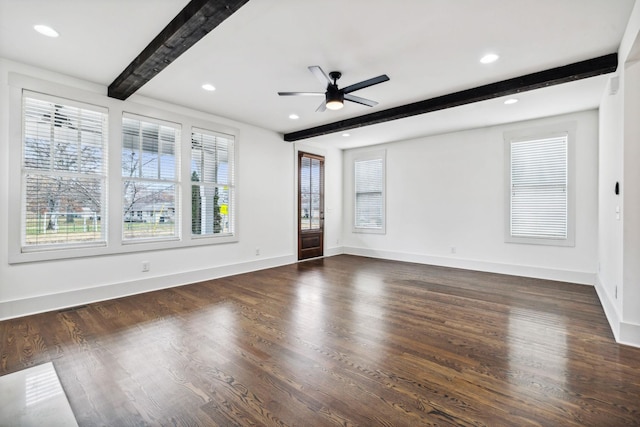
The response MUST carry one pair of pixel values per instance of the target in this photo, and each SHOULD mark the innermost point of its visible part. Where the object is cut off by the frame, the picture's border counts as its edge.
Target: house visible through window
(150, 180)
(539, 189)
(63, 173)
(212, 156)
(369, 193)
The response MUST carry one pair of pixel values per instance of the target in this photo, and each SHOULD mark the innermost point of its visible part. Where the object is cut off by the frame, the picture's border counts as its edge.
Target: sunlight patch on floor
(34, 397)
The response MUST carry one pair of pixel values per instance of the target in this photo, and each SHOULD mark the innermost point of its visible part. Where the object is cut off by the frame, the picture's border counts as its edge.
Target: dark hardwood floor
(339, 341)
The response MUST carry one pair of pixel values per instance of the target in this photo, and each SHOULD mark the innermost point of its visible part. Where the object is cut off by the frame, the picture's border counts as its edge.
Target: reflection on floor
(34, 397)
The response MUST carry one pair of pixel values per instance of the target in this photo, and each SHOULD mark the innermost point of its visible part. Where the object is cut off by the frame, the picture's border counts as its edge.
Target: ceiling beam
(554, 76)
(193, 22)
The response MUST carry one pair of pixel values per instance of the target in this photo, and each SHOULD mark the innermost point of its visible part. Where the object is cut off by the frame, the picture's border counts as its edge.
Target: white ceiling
(427, 48)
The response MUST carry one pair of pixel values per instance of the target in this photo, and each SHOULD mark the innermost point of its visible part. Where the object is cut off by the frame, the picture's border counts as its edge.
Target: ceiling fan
(335, 97)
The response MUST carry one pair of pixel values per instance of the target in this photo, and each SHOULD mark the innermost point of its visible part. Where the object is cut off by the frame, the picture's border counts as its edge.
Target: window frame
(101, 175)
(157, 180)
(363, 157)
(96, 95)
(567, 129)
(231, 184)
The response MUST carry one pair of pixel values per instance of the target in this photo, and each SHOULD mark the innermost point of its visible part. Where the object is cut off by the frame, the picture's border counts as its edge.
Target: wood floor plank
(339, 341)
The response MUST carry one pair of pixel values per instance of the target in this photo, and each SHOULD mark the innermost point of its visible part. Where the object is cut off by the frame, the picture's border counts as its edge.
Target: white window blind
(369, 194)
(212, 188)
(539, 177)
(150, 182)
(64, 162)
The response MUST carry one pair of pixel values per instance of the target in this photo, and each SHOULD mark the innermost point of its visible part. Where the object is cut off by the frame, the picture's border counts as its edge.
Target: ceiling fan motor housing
(334, 94)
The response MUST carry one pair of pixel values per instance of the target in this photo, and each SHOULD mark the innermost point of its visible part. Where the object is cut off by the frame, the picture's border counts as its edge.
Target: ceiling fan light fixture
(334, 97)
(334, 104)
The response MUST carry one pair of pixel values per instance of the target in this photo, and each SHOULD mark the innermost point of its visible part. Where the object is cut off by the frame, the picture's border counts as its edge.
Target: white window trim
(96, 95)
(370, 155)
(542, 132)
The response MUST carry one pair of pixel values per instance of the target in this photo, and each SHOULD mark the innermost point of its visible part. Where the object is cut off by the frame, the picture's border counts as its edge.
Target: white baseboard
(629, 334)
(624, 332)
(579, 277)
(609, 308)
(333, 251)
(50, 302)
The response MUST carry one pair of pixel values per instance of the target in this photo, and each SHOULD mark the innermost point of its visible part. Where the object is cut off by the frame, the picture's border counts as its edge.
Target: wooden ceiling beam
(193, 22)
(554, 76)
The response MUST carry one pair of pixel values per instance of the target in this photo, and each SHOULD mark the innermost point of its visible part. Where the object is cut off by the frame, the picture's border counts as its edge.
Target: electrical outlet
(257, 251)
(146, 266)
(453, 249)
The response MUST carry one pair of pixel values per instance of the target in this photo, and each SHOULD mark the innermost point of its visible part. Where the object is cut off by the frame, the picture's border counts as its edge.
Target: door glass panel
(305, 211)
(310, 177)
(315, 176)
(305, 175)
(315, 211)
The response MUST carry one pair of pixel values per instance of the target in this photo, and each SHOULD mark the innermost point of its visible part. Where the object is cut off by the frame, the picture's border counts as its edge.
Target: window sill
(569, 242)
(123, 248)
(369, 230)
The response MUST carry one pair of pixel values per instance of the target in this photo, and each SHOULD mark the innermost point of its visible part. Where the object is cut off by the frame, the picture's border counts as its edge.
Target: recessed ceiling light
(346, 134)
(209, 87)
(294, 116)
(489, 58)
(511, 101)
(46, 30)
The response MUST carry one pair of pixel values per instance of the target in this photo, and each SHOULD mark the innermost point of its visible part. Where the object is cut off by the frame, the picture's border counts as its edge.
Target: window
(539, 190)
(212, 190)
(369, 201)
(63, 173)
(76, 191)
(150, 182)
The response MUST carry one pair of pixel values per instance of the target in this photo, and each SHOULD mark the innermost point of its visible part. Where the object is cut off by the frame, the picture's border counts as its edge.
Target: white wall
(448, 191)
(618, 281)
(266, 217)
(610, 171)
(631, 231)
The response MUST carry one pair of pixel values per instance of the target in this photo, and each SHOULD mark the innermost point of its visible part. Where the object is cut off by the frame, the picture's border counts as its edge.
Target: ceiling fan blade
(363, 101)
(366, 83)
(320, 75)
(301, 93)
(322, 107)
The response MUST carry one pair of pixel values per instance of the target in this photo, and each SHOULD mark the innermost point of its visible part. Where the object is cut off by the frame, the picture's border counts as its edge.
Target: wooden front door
(310, 205)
